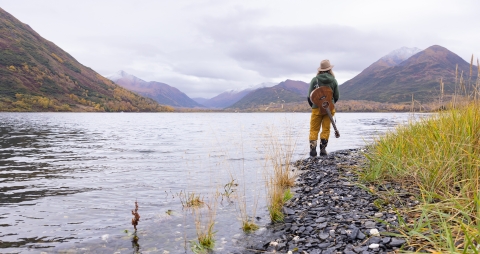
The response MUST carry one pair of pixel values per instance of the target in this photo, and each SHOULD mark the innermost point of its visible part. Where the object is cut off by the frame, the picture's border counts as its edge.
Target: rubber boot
(323, 145)
(313, 148)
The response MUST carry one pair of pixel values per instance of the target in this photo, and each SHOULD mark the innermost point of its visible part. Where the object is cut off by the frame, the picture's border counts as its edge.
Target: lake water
(68, 181)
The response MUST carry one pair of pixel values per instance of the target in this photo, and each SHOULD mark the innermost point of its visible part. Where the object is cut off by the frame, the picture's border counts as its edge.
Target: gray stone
(396, 242)
(281, 246)
(329, 251)
(360, 249)
(374, 239)
(369, 224)
(360, 235)
(323, 236)
(352, 233)
(288, 211)
(386, 240)
(320, 220)
(323, 245)
(322, 225)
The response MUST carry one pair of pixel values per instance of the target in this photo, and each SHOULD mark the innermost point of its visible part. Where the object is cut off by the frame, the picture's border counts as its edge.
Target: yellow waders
(317, 120)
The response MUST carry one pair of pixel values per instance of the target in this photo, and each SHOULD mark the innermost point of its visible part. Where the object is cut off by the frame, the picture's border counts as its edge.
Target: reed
(280, 173)
(248, 221)
(191, 199)
(204, 225)
(438, 158)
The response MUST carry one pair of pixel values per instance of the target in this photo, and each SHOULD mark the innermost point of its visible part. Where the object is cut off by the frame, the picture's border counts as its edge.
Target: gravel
(332, 213)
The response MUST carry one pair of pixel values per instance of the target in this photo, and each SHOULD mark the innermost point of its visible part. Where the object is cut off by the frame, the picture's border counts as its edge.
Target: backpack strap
(317, 85)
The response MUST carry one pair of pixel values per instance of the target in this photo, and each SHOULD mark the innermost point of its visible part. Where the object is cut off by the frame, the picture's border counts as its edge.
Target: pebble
(374, 232)
(396, 242)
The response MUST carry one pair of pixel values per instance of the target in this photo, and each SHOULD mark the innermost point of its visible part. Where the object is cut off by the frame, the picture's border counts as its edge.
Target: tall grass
(279, 171)
(204, 225)
(247, 218)
(439, 158)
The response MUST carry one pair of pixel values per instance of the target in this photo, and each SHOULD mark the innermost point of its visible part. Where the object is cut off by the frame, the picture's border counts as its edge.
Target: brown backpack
(323, 98)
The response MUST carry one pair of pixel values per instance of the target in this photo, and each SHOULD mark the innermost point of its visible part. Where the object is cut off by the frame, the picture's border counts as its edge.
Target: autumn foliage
(36, 75)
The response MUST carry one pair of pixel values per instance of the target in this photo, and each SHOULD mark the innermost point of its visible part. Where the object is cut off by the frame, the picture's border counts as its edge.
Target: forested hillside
(37, 75)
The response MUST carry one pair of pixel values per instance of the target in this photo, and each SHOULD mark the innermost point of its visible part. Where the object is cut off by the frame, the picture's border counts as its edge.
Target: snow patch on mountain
(251, 88)
(401, 54)
(117, 75)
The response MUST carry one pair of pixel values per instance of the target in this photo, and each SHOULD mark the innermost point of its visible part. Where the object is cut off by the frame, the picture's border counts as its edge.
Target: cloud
(275, 51)
(204, 47)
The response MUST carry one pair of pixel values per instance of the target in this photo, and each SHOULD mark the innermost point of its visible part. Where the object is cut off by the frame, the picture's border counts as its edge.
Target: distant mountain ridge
(396, 80)
(285, 92)
(228, 98)
(160, 92)
(37, 75)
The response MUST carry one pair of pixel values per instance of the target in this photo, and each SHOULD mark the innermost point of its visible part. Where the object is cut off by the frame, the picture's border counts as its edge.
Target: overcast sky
(204, 47)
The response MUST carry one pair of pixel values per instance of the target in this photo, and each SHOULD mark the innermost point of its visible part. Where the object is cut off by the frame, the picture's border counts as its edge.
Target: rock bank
(332, 212)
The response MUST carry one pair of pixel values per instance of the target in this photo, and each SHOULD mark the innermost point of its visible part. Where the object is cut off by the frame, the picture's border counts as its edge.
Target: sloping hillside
(419, 75)
(228, 98)
(160, 92)
(285, 92)
(37, 75)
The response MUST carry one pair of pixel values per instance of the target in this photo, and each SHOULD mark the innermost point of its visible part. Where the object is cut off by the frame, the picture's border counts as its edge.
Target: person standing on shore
(324, 77)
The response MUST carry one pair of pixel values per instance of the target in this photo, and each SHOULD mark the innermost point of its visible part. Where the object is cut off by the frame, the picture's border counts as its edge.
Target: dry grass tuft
(204, 225)
(191, 200)
(280, 173)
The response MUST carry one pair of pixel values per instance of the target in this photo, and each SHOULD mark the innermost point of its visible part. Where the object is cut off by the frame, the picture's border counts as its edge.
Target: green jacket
(325, 79)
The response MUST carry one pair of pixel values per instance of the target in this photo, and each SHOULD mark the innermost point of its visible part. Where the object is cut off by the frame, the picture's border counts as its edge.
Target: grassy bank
(438, 159)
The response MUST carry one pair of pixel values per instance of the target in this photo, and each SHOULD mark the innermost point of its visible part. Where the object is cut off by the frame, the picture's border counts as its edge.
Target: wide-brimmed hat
(325, 65)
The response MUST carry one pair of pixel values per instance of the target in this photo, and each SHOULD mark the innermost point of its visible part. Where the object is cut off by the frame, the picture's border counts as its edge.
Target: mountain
(285, 92)
(160, 92)
(37, 75)
(395, 79)
(230, 97)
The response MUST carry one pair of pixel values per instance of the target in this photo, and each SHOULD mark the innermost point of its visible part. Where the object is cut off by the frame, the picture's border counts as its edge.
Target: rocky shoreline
(332, 212)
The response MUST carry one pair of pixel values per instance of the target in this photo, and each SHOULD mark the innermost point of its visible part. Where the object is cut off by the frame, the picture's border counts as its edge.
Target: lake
(69, 181)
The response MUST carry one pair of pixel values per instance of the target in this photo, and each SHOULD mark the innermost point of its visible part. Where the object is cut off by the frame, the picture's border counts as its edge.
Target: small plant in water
(136, 216)
(135, 220)
(229, 188)
(249, 226)
(204, 223)
(190, 200)
(276, 197)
